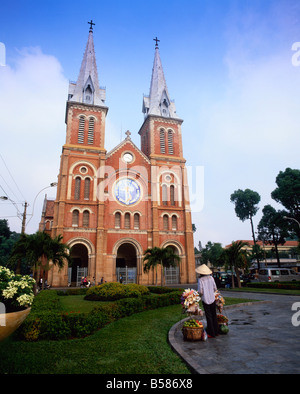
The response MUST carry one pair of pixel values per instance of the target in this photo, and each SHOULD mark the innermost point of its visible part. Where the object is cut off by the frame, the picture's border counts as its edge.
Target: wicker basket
(192, 333)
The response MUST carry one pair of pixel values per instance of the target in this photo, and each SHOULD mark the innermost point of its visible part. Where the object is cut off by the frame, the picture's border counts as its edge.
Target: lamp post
(295, 220)
(24, 215)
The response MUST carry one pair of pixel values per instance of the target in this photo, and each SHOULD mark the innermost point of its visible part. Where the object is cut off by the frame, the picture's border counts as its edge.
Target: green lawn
(133, 345)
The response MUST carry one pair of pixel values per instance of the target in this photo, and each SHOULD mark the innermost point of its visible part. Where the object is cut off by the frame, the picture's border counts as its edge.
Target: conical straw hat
(203, 270)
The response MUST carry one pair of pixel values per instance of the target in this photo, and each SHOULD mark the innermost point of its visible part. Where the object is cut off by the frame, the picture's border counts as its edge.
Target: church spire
(158, 102)
(87, 90)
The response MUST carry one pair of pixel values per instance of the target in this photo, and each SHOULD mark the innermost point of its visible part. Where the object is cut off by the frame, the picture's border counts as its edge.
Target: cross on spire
(156, 41)
(91, 23)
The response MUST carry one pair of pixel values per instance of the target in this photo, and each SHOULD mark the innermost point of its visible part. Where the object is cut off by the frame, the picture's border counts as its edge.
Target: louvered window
(136, 221)
(75, 218)
(77, 188)
(91, 131)
(162, 141)
(117, 220)
(81, 130)
(87, 185)
(170, 142)
(127, 220)
(166, 222)
(172, 194)
(164, 194)
(174, 222)
(86, 219)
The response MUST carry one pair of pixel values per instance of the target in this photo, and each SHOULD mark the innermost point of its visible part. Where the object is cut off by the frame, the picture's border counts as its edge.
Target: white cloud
(32, 102)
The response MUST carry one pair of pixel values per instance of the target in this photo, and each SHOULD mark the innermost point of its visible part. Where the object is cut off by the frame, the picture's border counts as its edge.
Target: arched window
(164, 194)
(77, 188)
(162, 141)
(170, 142)
(117, 220)
(87, 185)
(172, 194)
(136, 221)
(174, 222)
(127, 220)
(81, 130)
(91, 131)
(166, 222)
(86, 219)
(75, 217)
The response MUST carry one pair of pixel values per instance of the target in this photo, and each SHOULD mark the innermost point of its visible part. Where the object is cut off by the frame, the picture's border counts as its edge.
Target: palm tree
(165, 257)
(236, 257)
(39, 249)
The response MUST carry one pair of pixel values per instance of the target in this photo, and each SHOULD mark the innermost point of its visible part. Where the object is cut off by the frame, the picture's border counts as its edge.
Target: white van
(277, 275)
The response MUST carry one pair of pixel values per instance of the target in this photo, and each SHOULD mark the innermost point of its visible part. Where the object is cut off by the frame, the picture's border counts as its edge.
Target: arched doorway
(126, 263)
(80, 260)
(172, 274)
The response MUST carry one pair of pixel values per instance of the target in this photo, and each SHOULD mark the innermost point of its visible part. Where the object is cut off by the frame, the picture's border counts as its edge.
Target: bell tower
(161, 141)
(78, 214)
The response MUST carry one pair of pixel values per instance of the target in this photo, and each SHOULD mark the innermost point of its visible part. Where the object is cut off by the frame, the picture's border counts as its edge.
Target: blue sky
(228, 66)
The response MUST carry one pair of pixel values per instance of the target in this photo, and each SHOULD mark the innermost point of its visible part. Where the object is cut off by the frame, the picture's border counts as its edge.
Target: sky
(232, 67)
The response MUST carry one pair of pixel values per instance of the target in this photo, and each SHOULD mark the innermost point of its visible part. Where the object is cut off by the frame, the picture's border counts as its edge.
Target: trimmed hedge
(275, 285)
(48, 321)
(115, 291)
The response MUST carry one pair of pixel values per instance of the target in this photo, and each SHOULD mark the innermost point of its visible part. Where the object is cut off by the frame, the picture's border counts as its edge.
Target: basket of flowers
(190, 302)
(223, 323)
(192, 330)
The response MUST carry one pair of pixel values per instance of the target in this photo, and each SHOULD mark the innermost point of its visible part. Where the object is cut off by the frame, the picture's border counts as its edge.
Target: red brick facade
(111, 206)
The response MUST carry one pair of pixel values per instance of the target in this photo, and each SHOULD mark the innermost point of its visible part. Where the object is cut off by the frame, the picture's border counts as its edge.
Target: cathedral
(112, 206)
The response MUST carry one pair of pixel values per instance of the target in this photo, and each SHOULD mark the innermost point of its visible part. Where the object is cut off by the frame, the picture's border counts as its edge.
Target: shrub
(48, 321)
(115, 291)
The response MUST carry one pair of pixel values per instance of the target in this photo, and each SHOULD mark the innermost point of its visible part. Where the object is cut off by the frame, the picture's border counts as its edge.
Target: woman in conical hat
(206, 289)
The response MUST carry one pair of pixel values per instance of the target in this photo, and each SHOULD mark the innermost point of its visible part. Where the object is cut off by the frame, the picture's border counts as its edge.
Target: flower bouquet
(190, 302)
(219, 301)
(16, 291)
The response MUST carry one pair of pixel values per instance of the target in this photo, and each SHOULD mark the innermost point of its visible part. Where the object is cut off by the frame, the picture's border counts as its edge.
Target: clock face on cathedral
(127, 191)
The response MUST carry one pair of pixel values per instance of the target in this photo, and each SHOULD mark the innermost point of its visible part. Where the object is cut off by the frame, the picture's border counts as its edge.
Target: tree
(211, 254)
(39, 249)
(165, 257)
(288, 194)
(246, 207)
(273, 228)
(236, 258)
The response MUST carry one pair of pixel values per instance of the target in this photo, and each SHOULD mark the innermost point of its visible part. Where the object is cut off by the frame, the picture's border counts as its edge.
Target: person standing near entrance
(206, 289)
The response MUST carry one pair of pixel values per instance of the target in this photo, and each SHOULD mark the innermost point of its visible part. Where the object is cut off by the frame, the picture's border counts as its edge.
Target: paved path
(261, 339)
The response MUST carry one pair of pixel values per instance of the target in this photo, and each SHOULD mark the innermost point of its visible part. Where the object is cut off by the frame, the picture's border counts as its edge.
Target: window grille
(77, 188)
(136, 221)
(170, 142)
(81, 130)
(86, 219)
(172, 194)
(87, 185)
(164, 194)
(174, 222)
(91, 131)
(162, 141)
(117, 220)
(75, 218)
(127, 220)
(166, 222)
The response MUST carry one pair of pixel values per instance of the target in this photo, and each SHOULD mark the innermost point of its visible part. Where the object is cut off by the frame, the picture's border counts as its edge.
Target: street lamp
(23, 216)
(295, 220)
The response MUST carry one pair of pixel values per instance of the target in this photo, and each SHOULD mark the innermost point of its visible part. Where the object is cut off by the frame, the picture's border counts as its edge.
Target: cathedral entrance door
(126, 263)
(80, 258)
